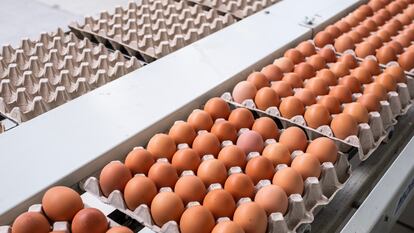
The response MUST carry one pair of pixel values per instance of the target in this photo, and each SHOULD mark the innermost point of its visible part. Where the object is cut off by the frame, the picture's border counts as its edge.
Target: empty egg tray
(153, 28)
(41, 75)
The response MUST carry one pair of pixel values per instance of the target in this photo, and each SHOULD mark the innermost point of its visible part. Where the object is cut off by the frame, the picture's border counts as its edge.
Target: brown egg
(352, 83)
(294, 55)
(165, 207)
(397, 73)
(371, 65)
(114, 176)
(384, 13)
(317, 115)
(232, 156)
(277, 153)
(323, 38)
(362, 30)
(375, 41)
(220, 203)
(291, 106)
(328, 54)
(349, 60)
(182, 132)
(139, 160)
(362, 74)
(284, 64)
(342, 93)
(357, 111)
(224, 130)
(266, 127)
(387, 81)
(266, 98)
(304, 70)
(355, 36)
(30, 222)
(217, 108)
(239, 185)
(186, 159)
(406, 60)
(241, 118)
(392, 26)
(404, 40)
(61, 203)
(190, 188)
(324, 149)
(289, 180)
(207, 143)
(294, 138)
(251, 217)
(162, 146)
(364, 49)
(386, 54)
(340, 69)
(272, 72)
(139, 190)
(293, 79)
(409, 32)
(119, 229)
(364, 10)
(250, 141)
(307, 166)
(352, 19)
(343, 26)
(200, 120)
(393, 8)
(384, 35)
(377, 89)
(370, 24)
(370, 102)
(328, 76)
(378, 19)
(282, 88)
(306, 96)
(163, 174)
(318, 86)
(376, 5)
(344, 125)
(212, 171)
(333, 30)
(259, 80)
(396, 46)
(227, 227)
(316, 61)
(331, 103)
(89, 220)
(306, 48)
(259, 168)
(244, 90)
(272, 199)
(197, 219)
(344, 43)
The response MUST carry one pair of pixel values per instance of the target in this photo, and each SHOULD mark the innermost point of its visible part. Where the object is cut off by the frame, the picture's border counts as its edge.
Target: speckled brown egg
(212, 171)
(207, 143)
(331, 103)
(162, 146)
(306, 48)
(266, 98)
(397, 73)
(259, 80)
(328, 76)
(289, 180)
(342, 93)
(293, 79)
(349, 59)
(317, 115)
(344, 125)
(239, 185)
(385, 54)
(266, 127)
(370, 102)
(139, 160)
(165, 207)
(89, 220)
(377, 89)
(284, 64)
(306, 96)
(277, 153)
(227, 227)
(340, 69)
(186, 159)
(163, 174)
(323, 38)
(224, 130)
(324, 149)
(307, 166)
(259, 168)
(217, 108)
(250, 141)
(197, 219)
(241, 118)
(200, 120)
(272, 72)
(364, 49)
(316, 61)
(352, 83)
(282, 88)
(220, 203)
(272, 199)
(344, 43)
(291, 106)
(244, 90)
(294, 55)
(30, 222)
(139, 190)
(61, 203)
(294, 138)
(387, 81)
(304, 70)
(357, 111)
(190, 188)
(232, 156)
(251, 217)
(182, 132)
(406, 60)
(371, 65)
(114, 176)
(318, 86)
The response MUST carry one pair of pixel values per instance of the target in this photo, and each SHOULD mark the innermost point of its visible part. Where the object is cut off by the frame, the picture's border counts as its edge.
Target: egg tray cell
(43, 74)
(153, 28)
(238, 8)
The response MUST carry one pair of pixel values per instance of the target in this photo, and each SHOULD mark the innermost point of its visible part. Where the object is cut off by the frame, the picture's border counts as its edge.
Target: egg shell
(377, 89)
(328, 76)
(139, 160)
(259, 168)
(371, 65)
(277, 153)
(250, 141)
(212, 171)
(406, 60)
(282, 88)
(272, 72)
(375, 41)
(387, 81)
(114, 176)
(294, 55)
(266, 127)
(306, 48)
(30, 222)
(397, 73)
(266, 98)
(139, 190)
(364, 49)
(119, 229)
(190, 188)
(355, 36)
(162, 146)
(89, 220)
(362, 74)
(343, 26)
(217, 108)
(318, 86)
(328, 54)
(357, 111)
(362, 30)
(333, 30)
(323, 38)
(251, 217)
(227, 227)
(241, 118)
(349, 60)
(307, 166)
(317, 115)
(386, 54)
(207, 143)
(291, 106)
(232, 156)
(344, 43)
(61, 203)
(239, 185)
(294, 138)
(370, 102)
(342, 93)
(272, 199)
(224, 130)
(186, 159)
(304, 70)
(284, 64)
(220, 203)
(200, 120)
(165, 207)
(353, 84)
(244, 90)
(324, 149)
(370, 24)
(289, 180)
(331, 103)
(306, 96)
(317, 62)
(293, 79)
(197, 219)
(163, 174)
(340, 69)
(384, 35)
(344, 125)
(259, 80)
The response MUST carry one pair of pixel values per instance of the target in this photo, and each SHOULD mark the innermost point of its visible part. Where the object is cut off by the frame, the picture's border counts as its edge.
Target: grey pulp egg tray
(153, 28)
(6, 123)
(43, 74)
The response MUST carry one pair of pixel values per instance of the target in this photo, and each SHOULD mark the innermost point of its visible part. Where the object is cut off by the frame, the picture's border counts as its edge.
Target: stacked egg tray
(238, 8)
(153, 28)
(370, 134)
(301, 207)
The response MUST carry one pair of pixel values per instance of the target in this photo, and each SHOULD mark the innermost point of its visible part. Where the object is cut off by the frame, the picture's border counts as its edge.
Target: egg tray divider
(43, 74)
(152, 29)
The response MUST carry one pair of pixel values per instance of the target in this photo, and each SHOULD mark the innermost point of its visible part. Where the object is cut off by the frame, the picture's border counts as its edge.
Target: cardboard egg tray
(6, 123)
(153, 28)
(43, 74)
(238, 8)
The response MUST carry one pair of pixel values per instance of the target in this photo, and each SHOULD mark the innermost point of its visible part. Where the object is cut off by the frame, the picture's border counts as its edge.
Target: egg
(250, 141)
(328, 54)
(61, 203)
(370, 102)
(344, 125)
(259, 80)
(272, 72)
(384, 13)
(239, 185)
(376, 5)
(163, 174)
(387, 81)
(342, 93)
(139, 160)
(190, 188)
(317, 62)
(197, 219)
(165, 207)
(217, 108)
(282, 88)
(291, 106)
(323, 38)
(375, 41)
(294, 55)
(224, 130)
(344, 43)
(343, 26)
(317, 115)
(352, 19)
(355, 36)
(266, 98)
(370, 24)
(289, 180)
(266, 127)
(227, 227)
(114, 176)
(307, 166)
(272, 199)
(364, 49)
(306, 96)
(333, 30)
(162, 146)
(304, 70)
(89, 220)
(397, 73)
(277, 153)
(377, 89)
(357, 111)
(409, 32)
(244, 90)
(206, 143)
(186, 159)
(396, 46)
(371, 65)
(306, 48)
(241, 118)
(259, 168)
(138, 191)
(352, 83)
(318, 86)
(30, 222)
(293, 79)
(340, 69)
(212, 171)
(119, 229)
(384, 35)
(251, 217)
(294, 138)
(200, 120)
(284, 64)
(232, 156)
(349, 59)
(362, 30)
(328, 76)
(406, 60)
(331, 103)
(324, 149)
(220, 203)
(362, 74)
(385, 54)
